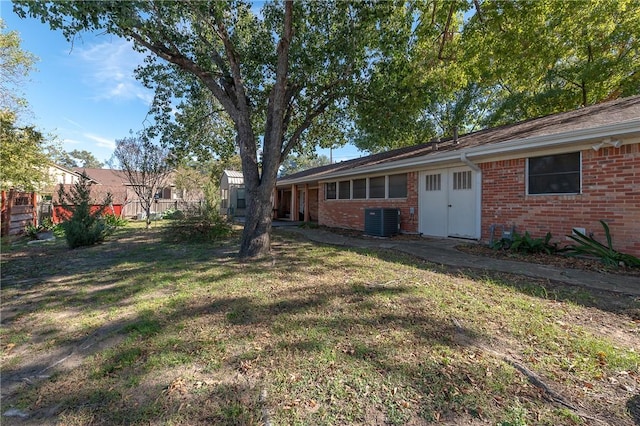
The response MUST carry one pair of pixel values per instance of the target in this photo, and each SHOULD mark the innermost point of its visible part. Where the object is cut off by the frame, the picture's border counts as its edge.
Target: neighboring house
(550, 174)
(125, 200)
(232, 194)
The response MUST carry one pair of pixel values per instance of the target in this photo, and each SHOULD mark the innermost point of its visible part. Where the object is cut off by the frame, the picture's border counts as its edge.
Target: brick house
(550, 174)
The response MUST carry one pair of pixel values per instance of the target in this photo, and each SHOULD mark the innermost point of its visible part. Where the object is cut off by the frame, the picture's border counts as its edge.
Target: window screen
(359, 188)
(398, 186)
(376, 187)
(330, 191)
(344, 190)
(554, 174)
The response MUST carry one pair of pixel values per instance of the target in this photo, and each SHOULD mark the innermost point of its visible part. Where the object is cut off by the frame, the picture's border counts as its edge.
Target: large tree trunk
(258, 185)
(256, 236)
(260, 177)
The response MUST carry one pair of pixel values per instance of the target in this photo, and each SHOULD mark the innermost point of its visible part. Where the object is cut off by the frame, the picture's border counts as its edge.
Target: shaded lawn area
(139, 330)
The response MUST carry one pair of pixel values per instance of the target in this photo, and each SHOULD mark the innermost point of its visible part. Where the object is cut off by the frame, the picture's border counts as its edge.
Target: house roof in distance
(108, 177)
(578, 121)
(233, 177)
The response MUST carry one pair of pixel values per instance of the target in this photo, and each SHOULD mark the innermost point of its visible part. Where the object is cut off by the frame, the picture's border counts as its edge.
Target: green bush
(589, 246)
(201, 223)
(83, 223)
(173, 214)
(47, 225)
(526, 244)
(114, 221)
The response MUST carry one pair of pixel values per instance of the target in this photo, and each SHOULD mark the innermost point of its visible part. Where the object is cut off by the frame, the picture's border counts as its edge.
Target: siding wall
(610, 191)
(350, 213)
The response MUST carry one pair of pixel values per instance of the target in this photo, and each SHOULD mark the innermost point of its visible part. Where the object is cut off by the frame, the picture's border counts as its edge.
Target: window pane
(554, 174)
(398, 186)
(344, 186)
(360, 188)
(433, 182)
(330, 190)
(462, 180)
(376, 187)
(240, 201)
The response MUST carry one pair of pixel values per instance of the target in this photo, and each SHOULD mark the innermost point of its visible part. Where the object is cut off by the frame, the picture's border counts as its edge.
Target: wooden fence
(19, 209)
(134, 209)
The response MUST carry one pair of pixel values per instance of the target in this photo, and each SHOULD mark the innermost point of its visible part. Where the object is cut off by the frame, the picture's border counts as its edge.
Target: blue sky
(85, 93)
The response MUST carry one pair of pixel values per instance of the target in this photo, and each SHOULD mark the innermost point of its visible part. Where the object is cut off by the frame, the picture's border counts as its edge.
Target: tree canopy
(22, 147)
(15, 66)
(75, 158)
(24, 162)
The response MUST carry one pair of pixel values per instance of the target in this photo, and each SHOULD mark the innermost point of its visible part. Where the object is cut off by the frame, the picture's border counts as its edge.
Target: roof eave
(625, 128)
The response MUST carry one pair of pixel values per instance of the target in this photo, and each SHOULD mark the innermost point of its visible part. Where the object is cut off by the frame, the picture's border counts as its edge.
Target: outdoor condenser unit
(382, 222)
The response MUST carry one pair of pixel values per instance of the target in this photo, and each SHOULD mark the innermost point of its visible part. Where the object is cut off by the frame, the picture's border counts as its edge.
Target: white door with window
(448, 203)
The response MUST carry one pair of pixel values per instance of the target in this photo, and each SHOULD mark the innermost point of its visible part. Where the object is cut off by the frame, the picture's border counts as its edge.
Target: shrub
(526, 244)
(589, 246)
(47, 225)
(83, 224)
(173, 214)
(114, 221)
(200, 223)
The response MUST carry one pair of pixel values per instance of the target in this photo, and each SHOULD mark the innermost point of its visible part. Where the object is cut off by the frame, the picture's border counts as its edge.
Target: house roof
(617, 117)
(233, 177)
(107, 177)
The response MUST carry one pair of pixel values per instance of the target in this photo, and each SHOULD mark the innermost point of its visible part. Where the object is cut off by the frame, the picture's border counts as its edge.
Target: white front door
(448, 203)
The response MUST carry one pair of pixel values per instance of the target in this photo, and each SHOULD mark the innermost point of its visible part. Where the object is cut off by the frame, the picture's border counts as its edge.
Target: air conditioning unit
(382, 222)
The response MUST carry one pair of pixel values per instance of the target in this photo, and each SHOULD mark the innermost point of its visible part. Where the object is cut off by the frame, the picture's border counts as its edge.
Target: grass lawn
(140, 330)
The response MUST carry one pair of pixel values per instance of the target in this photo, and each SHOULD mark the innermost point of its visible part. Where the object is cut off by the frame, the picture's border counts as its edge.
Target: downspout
(466, 161)
(478, 172)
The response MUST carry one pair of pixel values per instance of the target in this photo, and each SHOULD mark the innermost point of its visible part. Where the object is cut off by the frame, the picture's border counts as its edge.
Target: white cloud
(101, 142)
(75, 123)
(109, 71)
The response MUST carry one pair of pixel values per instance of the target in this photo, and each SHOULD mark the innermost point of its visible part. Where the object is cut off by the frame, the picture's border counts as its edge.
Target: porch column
(294, 203)
(274, 207)
(306, 202)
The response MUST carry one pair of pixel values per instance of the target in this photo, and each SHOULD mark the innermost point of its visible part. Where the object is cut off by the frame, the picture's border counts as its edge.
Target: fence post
(4, 218)
(34, 208)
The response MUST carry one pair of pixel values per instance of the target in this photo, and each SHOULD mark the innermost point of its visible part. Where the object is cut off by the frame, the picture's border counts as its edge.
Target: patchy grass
(139, 330)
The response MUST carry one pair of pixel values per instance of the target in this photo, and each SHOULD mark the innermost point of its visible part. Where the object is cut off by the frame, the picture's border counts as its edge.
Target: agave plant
(589, 246)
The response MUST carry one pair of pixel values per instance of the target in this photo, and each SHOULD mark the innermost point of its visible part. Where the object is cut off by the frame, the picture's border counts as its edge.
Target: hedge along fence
(19, 209)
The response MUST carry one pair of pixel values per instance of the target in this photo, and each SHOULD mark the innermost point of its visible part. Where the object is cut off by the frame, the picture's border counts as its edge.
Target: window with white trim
(554, 174)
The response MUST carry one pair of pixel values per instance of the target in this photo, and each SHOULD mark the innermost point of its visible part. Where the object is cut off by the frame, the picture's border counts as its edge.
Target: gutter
(625, 128)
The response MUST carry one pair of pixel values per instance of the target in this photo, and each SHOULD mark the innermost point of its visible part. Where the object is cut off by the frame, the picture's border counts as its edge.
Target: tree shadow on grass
(310, 318)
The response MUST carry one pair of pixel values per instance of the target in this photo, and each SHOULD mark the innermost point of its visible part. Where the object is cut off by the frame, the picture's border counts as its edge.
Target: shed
(232, 194)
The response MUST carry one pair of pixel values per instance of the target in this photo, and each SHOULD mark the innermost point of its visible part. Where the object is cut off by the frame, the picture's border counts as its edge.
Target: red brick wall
(610, 191)
(350, 213)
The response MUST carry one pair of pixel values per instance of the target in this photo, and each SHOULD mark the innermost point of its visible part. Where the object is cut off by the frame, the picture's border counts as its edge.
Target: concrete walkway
(443, 251)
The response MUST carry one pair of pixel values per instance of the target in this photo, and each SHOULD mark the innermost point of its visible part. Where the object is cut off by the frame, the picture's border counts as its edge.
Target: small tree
(82, 222)
(144, 165)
